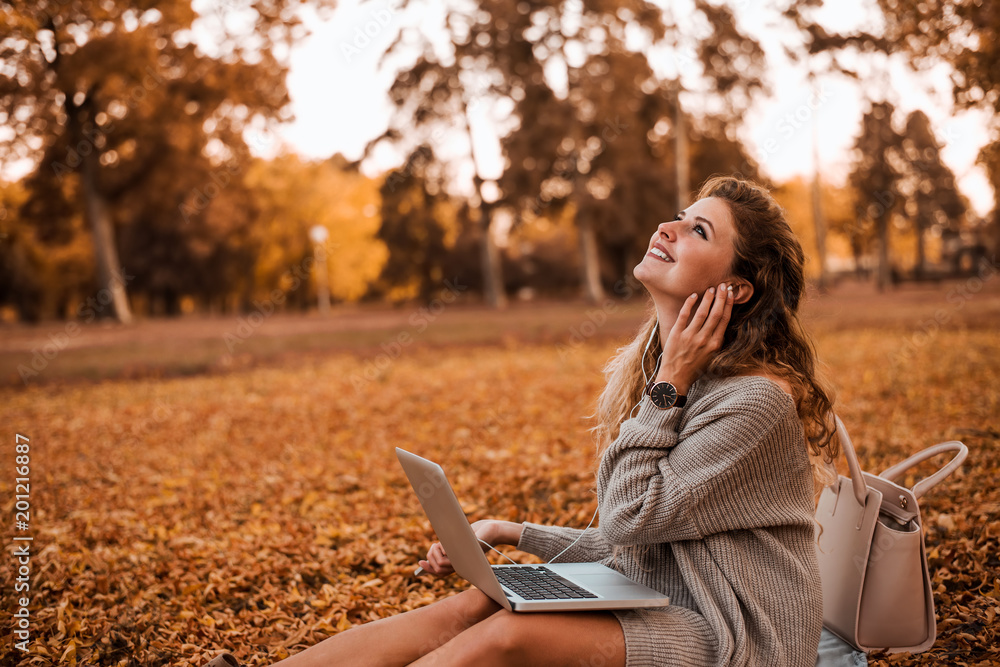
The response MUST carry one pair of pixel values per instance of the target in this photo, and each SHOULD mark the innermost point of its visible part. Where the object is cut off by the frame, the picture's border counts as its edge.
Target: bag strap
(923, 486)
(857, 479)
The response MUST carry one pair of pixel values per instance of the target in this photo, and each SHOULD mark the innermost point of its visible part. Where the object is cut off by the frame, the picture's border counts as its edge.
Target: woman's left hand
(695, 337)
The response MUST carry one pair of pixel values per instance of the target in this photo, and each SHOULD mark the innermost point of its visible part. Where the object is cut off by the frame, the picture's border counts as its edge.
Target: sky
(339, 97)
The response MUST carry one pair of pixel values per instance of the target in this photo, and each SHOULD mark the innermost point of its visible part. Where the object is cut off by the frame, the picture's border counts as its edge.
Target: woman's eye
(700, 230)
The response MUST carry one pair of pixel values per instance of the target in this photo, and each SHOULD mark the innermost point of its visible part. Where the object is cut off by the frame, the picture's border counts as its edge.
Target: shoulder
(761, 396)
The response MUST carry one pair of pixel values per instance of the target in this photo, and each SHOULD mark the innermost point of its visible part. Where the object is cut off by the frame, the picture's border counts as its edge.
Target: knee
(474, 605)
(503, 637)
(457, 614)
(464, 610)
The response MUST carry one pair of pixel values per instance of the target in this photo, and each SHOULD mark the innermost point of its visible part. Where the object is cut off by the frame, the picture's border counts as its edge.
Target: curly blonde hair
(764, 334)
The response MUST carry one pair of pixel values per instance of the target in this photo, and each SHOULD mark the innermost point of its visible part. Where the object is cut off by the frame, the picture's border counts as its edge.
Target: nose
(666, 228)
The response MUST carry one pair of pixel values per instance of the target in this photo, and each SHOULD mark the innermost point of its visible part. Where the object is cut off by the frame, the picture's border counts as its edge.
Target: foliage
(838, 212)
(41, 277)
(933, 201)
(961, 34)
(600, 143)
(419, 227)
(289, 197)
(989, 158)
(875, 180)
(141, 130)
(262, 511)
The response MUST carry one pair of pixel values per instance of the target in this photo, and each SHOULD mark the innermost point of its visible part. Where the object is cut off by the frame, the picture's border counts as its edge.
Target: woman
(705, 486)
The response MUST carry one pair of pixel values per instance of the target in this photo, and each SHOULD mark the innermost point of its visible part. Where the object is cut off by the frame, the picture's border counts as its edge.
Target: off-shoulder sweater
(711, 504)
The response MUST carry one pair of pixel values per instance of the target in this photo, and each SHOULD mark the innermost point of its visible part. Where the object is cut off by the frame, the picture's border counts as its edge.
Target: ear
(742, 290)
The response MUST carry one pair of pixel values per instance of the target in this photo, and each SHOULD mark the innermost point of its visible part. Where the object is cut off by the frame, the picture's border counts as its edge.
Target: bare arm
(492, 531)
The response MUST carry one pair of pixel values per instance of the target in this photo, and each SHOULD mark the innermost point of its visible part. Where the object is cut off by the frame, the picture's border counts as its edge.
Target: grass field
(188, 498)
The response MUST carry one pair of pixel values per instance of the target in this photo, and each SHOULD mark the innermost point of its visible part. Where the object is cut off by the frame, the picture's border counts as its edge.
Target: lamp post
(319, 234)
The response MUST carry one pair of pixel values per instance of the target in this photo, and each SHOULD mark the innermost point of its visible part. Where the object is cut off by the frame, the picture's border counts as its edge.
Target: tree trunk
(171, 302)
(918, 271)
(105, 252)
(819, 225)
(627, 266)
(591, 266)
(883, 253)
(996, 230)
(681, 152)
(493, 290)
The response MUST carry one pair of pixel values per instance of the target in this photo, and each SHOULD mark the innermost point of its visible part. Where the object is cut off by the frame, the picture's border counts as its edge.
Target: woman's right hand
(695, 337)
(491, 531)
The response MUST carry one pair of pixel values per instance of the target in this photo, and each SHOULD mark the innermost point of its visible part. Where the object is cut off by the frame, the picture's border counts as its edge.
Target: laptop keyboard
(538, 583)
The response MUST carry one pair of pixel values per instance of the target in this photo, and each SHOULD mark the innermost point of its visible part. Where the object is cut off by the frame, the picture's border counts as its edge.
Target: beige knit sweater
(711, 504)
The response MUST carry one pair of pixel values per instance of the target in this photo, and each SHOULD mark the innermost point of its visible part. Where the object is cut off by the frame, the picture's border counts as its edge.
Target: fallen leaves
(262, 511)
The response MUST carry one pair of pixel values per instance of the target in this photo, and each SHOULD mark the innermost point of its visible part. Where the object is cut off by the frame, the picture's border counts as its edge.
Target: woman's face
(690, 254)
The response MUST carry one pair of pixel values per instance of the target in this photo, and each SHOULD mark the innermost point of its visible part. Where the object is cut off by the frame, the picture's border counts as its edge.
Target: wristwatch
(664, 396)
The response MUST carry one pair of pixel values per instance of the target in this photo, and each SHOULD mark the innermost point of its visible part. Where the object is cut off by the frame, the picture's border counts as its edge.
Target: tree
(933, 199)
(415, 216)
(584, 144)
(616, 146)
(960, 33)
(436, 97)
(874, 180)
(288, 198)
(44, 276)
(590, 151)
(989, 157)
(796, 198)
(119, 107)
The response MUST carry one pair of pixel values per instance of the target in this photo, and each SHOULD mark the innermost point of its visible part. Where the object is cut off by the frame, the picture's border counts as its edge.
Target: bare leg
(578, 639)
(399, 639)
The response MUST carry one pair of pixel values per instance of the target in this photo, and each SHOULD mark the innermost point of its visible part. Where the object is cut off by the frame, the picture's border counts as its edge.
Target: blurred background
(168, 157)
(247, 247)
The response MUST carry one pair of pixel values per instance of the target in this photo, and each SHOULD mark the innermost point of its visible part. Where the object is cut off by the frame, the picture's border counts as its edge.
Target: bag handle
(857, 479)
(926, 484)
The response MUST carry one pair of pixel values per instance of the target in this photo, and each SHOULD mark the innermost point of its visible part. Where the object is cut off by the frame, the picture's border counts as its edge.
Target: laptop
(552, 587)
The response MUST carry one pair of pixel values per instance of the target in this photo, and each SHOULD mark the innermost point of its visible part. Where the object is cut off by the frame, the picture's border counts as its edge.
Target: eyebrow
(706, 221)
(700, 219)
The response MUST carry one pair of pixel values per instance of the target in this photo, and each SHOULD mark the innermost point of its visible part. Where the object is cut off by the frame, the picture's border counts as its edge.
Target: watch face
(663, 395)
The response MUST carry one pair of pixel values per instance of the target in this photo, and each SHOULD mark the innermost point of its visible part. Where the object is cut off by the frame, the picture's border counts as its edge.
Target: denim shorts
(835, 652)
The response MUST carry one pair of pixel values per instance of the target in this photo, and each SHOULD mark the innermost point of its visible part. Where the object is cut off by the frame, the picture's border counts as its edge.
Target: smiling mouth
(659, 254)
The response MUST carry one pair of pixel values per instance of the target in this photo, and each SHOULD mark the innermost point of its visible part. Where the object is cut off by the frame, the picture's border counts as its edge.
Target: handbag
(870, 545)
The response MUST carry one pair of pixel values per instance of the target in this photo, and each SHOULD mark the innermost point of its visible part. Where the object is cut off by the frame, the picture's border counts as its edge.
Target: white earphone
(645, 378)
(645, 382)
